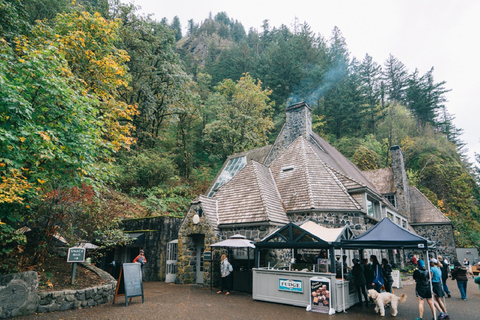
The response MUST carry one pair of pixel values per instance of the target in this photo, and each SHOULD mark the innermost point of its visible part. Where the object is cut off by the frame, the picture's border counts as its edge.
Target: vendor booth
(239, 249)
(292, 261)
(388, 235)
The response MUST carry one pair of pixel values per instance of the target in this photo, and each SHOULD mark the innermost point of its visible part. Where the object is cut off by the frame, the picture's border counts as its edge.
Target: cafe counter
(295, 288)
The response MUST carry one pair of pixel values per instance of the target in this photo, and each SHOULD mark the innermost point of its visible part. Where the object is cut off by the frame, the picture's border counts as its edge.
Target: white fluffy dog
(381, 299)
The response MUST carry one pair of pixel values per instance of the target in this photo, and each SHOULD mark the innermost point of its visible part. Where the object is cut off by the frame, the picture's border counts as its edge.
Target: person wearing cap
(422, 288)
(141, 259)
(445, 271)
(438, 288)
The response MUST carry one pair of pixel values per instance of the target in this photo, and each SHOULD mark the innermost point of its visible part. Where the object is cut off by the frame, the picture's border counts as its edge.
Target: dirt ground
(56, 274)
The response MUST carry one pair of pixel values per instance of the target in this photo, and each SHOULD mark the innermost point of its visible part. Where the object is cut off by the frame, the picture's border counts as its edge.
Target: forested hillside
(106, 113)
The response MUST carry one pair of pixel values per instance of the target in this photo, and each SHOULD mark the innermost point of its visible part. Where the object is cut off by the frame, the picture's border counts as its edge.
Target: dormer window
(391, 199)
(287, 169)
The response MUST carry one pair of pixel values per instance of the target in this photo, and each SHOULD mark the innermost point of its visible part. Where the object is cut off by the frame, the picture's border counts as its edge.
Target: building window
(404, 223)
(370, 208)
(231, 169)
(398, 221)
(390, 216)
(391, 199)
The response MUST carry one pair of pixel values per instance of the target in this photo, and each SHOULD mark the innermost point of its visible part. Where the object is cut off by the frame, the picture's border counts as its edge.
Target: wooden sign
(130, 282)
(76, 255)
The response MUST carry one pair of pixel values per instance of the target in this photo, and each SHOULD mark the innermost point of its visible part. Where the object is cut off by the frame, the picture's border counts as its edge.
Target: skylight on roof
(231, 169)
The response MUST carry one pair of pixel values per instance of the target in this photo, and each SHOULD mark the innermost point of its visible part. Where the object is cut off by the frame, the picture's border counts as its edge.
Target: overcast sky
(443, 34)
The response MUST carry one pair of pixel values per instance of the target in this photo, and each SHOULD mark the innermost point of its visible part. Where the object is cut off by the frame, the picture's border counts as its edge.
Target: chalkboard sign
(130, 282)
(76, 255)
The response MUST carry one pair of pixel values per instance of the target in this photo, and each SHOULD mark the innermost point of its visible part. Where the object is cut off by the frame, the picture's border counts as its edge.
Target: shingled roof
(250, 196)
(382, 179)
(423, 211)
(305, 182)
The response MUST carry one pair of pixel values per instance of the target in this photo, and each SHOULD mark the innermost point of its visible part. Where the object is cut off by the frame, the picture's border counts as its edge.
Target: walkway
(170, 301)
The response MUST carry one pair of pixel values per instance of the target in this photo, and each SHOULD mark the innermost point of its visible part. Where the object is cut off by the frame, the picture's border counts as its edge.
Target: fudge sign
(76, 255)
(290, 285)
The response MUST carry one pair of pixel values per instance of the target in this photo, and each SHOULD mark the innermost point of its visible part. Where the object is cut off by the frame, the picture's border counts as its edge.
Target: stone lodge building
(301, 177)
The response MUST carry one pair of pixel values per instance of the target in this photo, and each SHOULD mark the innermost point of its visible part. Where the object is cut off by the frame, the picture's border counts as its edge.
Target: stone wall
(19, 297)
(18, 294)
(189, 235)
(159, 231)
(442, 234)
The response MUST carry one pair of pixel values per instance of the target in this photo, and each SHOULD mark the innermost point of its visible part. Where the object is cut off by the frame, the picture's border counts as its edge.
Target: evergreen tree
(176, 26)
(395, 77)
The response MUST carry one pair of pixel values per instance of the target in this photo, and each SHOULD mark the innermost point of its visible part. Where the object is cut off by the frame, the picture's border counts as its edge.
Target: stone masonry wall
(83, 298)
(159, 231)
(442, 234)
(19, 296)
(188, 234)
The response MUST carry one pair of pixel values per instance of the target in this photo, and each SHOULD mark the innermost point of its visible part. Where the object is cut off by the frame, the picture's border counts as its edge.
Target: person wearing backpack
(422, 288)
(225, 271)
(459, 273)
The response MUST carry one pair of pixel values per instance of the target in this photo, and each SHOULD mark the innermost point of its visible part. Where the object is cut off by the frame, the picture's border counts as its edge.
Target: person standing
(387, 275)
(141, 259)
(377, 282)
(468, 266)
(422, 288)
(445, 272)
(459, 273)
(368, 272)
(438, 288)
(359, 280)
(225, 269)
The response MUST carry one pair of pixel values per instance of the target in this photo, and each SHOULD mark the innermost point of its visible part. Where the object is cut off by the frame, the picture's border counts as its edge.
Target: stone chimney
(402, 197)
(298, 123)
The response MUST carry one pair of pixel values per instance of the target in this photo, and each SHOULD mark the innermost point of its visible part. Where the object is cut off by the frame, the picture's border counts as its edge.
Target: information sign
(76, 255)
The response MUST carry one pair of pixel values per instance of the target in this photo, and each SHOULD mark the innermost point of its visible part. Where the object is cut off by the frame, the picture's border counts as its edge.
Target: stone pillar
(298, 123)
(400, 182)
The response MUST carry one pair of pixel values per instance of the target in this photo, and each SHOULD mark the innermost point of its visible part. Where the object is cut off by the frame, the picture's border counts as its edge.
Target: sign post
(207, 256)
(75, 255)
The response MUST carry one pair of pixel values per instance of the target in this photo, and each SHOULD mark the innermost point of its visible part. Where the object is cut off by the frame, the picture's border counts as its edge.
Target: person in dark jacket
(445, 272)
(368, 272)
(459, 273)
(422, 288)
(359, 280)
(387, 275)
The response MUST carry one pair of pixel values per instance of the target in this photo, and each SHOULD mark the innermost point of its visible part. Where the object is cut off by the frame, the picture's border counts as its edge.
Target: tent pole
(343, 281)
(431, 286)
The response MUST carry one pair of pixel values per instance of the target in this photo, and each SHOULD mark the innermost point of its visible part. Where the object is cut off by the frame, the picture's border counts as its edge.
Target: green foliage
(242, 117)
(145, 170)
(366, 159)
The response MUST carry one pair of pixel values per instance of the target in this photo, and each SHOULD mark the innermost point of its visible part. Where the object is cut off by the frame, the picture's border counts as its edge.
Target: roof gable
(423, 211)
(305, 182)
(251, 196)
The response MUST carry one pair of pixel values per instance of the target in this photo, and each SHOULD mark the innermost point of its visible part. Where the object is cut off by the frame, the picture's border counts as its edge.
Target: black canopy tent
(388, 235)
(291, 236)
